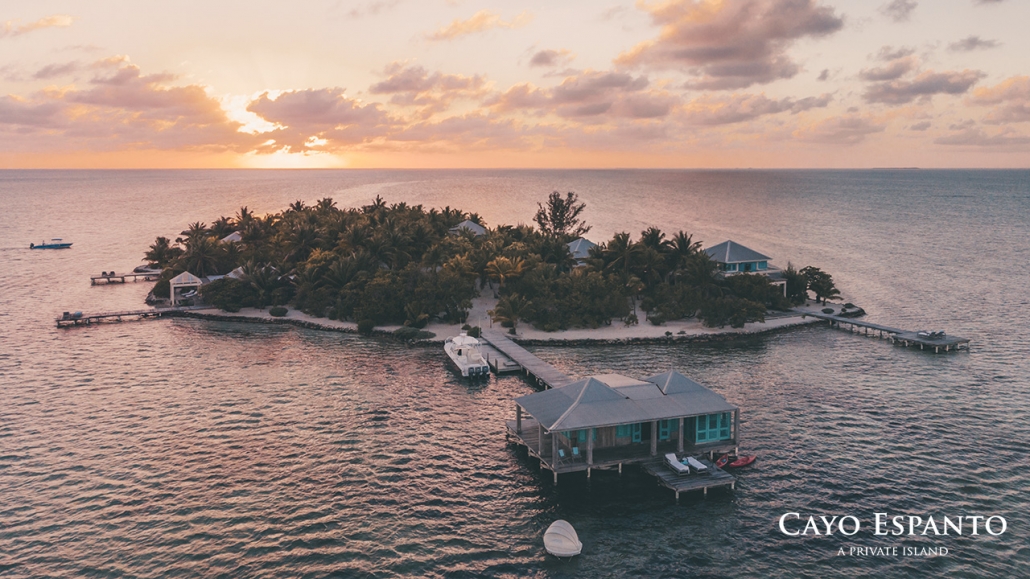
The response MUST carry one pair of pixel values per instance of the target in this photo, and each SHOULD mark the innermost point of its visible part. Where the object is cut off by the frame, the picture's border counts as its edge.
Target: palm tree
(623, 254)
(503, 269)
(511, 309)
(162, 253)
(201, 256)
(682, 248)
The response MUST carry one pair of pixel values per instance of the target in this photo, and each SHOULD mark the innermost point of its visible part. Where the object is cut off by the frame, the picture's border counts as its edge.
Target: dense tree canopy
(398, 264)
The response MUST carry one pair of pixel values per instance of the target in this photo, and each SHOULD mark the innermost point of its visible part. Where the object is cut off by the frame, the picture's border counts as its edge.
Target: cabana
(580, 249)
(734, 258)
(609, 420)
(178, 283)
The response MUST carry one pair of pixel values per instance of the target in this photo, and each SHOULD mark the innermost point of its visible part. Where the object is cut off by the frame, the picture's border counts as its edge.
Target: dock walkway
(79, 319)
(716, 477)
(104, 279)
(895, 335)
(543, 373)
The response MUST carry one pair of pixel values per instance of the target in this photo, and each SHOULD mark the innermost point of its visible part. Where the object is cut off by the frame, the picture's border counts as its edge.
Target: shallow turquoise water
(191, 448)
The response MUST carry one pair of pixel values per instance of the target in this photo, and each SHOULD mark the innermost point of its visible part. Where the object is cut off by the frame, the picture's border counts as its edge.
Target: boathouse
(734, 258)
(610, 420)
(182, 282)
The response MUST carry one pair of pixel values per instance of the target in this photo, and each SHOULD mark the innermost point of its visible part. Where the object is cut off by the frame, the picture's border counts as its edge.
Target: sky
(465, 83)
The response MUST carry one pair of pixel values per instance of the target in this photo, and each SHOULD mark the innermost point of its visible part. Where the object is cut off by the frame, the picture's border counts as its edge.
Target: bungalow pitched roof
(610, 400)
(580, 247)
(184, 279)
(733, 252)
(472, 226)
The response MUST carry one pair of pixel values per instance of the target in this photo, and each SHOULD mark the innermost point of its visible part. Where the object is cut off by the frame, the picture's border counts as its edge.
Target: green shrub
(474, 331)
(277, 311)
(365, 327)
(409, 333)
(228, 294)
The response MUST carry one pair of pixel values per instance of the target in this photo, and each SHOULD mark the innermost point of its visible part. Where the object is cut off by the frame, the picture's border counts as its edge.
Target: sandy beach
(689, 329)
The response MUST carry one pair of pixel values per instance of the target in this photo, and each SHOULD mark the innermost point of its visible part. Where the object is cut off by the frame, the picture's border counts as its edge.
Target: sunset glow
(451, 83)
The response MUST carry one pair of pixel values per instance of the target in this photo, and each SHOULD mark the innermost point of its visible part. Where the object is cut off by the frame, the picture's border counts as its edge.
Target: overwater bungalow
(610, 420)
(734, 258)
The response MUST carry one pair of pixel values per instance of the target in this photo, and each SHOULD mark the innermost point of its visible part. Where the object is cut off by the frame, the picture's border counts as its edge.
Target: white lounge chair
(697, 465)
(675, 464)
(561, 540)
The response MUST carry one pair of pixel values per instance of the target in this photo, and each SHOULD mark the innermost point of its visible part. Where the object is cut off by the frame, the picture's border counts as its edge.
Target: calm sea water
(184, 448)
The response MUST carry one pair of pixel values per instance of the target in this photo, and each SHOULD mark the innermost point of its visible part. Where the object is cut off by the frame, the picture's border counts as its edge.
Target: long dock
(895, 335)
(109, 278)
(539, 371)
(79, 319)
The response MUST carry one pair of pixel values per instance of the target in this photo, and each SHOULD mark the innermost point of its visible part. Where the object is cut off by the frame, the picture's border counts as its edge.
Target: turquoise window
(713, 427)
(763, 265)
(636, 432)
(623, 431)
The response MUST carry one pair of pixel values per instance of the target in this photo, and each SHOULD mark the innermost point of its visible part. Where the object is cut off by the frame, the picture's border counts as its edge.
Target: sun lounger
(575, 452)
(675, 464)
(697, 465)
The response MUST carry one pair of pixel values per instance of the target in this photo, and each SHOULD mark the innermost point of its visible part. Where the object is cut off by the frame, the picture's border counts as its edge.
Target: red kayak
(742, 461)
(721, 462)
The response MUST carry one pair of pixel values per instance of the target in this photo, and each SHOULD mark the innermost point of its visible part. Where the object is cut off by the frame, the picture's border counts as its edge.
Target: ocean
(190, 448)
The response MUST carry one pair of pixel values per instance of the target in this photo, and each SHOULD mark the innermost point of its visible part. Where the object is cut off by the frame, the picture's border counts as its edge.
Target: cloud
(889, 53)
(551, 58)
(1011, 98)
(899, 10)
(318, 119)
(123, 110)
(896, 68)
(978, 138)
(926, 84)
(372, 8)
(971, 43)
(844, 130)
(922, 126)
(731, 44)
(55, 70)
(435, 92)
(588, 94)
(711, 110)
(13, 28)
(479, 22)
(824, 75)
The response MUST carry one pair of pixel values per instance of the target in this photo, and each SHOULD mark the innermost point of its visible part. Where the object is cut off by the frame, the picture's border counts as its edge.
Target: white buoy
(561, 540)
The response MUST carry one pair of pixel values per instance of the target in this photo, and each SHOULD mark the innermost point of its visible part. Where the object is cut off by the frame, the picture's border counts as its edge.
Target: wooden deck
(543, 373)
(615, 458)
(895, 335)
(101, 279)
(497, 361)
(691, 482)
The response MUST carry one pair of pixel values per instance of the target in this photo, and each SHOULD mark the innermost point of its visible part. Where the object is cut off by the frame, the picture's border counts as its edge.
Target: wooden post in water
(679, 442)
(518, 419)
(540, 439)
(590, 450)
(654, 437)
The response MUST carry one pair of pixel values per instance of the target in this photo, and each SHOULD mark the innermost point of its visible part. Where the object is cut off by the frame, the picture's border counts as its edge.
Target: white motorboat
(463, 350)
(561, 540)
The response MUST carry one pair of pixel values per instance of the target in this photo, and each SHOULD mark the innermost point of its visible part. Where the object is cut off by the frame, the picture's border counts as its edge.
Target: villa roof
(733, 252)
(472, 226)
(185, 278)
(612, 399)
(234, 236)
(580, 247)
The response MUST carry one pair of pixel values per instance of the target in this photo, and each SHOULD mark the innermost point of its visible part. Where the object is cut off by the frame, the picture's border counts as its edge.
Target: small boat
(55, 243)
(463, 350)
(561, 540)
(722, 461)
(742, 461)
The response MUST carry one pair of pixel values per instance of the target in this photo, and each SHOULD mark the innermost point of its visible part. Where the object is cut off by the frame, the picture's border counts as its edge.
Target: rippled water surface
(186, 448)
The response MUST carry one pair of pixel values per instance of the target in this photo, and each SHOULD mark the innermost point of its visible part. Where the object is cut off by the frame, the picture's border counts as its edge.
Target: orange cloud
(13, 28)
(1013, 96)
(479, 22)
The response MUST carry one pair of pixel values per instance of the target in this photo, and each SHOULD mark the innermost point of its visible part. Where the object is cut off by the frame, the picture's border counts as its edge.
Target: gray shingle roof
(593, 403)
(733, 252)
(472, 226)
(580, 247)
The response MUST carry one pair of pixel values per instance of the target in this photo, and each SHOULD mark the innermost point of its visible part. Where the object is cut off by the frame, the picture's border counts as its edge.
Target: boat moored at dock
(464, 351)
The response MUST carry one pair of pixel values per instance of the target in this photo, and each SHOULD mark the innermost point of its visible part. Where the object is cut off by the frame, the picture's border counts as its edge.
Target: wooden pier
(715, 478)
(498, 362)
(542, 373)
(895, 335)
(105, 279)
(69, 320)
